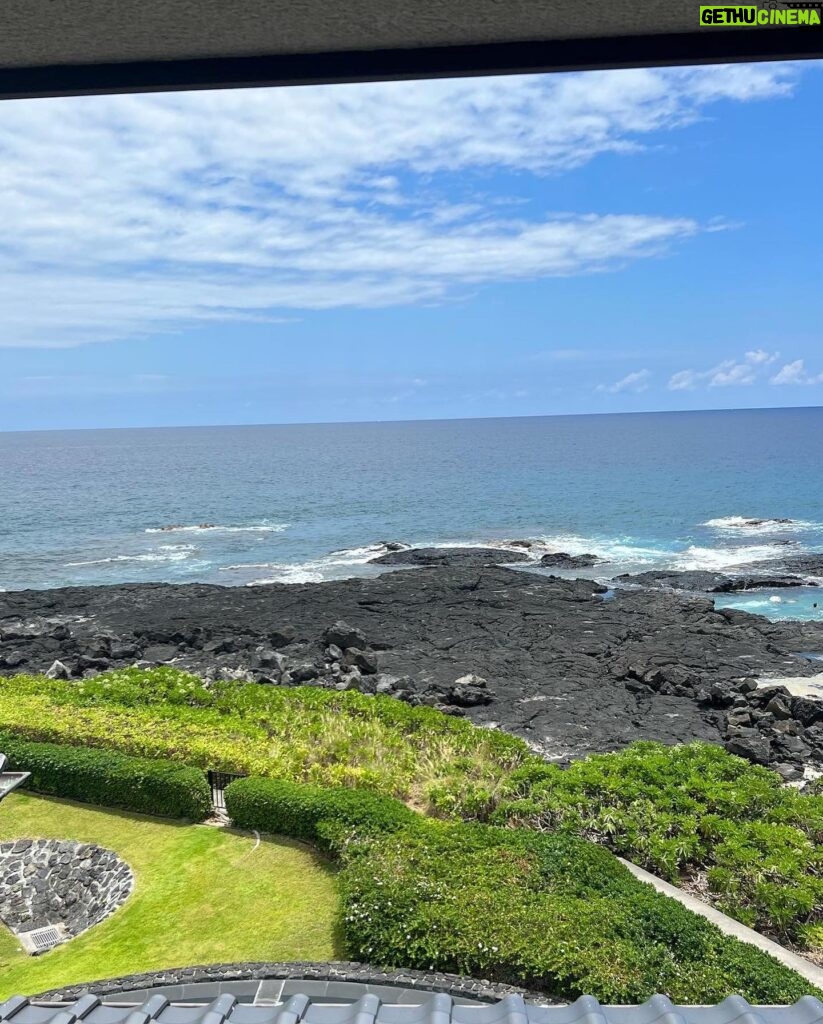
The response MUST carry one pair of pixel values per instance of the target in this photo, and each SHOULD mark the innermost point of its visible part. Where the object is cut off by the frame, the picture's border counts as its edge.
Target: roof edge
(701, 47)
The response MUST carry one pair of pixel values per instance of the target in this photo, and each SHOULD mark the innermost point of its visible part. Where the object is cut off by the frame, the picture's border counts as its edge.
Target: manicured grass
(202, 895)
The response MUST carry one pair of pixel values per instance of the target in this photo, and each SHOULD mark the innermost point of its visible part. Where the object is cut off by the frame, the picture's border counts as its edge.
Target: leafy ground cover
(693, 814)
(303, 734)
(552, 912)
(202, 895)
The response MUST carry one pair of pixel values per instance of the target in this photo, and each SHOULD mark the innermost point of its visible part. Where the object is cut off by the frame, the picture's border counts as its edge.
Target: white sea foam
(618, 550)
(752, 524)
(617, 554)
(721, 558)
(289, 574)
(354, 556)
(214, 528)
(331, 566)
(166, 553)
(347, 562)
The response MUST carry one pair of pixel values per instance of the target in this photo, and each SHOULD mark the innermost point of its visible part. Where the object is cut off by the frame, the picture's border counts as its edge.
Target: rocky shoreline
(572, 666)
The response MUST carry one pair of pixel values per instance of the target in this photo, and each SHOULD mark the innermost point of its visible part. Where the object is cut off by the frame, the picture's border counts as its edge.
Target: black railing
(217, 783)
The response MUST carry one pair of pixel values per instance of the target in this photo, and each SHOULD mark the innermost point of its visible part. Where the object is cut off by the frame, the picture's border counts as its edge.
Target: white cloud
(795, 373)
(762, 358)
(728, 373)
(133, 214)
(634, 382)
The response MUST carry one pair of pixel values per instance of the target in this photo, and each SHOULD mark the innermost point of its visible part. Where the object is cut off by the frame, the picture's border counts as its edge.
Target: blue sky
(601, 242)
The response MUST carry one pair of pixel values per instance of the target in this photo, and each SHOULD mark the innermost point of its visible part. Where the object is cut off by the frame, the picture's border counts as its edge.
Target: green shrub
(689, 811)
(304, 734)
(322, 815)
(551, 912)
(692, 813)
(113, 780)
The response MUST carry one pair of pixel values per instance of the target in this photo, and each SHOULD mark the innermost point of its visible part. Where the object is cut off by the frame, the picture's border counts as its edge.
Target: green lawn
(202, 895)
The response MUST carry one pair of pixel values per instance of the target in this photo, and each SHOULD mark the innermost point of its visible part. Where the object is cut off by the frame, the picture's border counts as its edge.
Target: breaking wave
(215, 528)
(736, 524)
(617, 550)
(720, 558)
(331, 566)
(166, 553)
(289, 574)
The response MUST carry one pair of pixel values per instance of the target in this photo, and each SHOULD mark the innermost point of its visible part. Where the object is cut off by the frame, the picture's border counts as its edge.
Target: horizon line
(420, 419)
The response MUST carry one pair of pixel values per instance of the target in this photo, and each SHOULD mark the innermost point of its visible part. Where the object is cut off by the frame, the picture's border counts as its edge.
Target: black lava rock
(451, 557)
(562, 560)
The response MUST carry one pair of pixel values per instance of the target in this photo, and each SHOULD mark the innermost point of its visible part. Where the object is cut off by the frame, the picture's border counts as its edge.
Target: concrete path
(731, 927)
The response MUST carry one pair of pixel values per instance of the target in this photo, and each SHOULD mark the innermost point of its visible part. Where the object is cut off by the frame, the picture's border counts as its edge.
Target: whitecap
(205, 528)
(621, 549)
(289, 574)
(753, 524)
(247, 565)
(167, 553)
(355, 556)
(696, 557)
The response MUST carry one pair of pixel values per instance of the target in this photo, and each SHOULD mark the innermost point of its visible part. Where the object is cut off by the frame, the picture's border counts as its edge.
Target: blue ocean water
(312, 502)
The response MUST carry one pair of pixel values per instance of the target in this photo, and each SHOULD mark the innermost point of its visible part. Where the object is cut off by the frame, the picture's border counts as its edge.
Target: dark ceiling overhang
(70, 47)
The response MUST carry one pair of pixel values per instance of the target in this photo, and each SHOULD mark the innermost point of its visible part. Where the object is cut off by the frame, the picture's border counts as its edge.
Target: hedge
(554, 913)
(327, 816)
(551, 912)
(158, 787)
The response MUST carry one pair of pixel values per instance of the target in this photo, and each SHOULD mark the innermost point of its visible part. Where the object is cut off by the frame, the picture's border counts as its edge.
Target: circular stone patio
(61, 885)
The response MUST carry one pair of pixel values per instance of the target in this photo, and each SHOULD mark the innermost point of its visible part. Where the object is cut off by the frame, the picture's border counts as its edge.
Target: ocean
(299, 503)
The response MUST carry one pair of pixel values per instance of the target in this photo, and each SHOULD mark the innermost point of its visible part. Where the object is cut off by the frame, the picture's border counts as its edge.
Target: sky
(574, 243)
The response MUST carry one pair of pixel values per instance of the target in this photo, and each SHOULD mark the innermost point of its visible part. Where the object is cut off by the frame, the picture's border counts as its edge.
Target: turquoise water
(311, 502)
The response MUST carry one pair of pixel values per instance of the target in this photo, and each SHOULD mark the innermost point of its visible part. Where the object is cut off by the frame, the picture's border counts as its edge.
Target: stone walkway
(731, 927)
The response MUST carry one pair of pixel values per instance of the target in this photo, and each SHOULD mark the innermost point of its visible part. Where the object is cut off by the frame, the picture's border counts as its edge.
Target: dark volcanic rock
(749, 743)
(709, 582)
(811, 565)
(561, 560)
(450, 557)
(540, 656)
(342, 635)
(160, 653)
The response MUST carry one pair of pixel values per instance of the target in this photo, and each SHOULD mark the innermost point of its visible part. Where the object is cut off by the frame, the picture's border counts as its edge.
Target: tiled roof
(369, 1009)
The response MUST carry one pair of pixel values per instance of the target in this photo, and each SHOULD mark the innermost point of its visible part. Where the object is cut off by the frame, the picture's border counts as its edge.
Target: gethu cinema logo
(802, 15)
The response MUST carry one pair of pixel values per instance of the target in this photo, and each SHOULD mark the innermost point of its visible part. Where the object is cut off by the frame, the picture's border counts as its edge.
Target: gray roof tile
(427, 1009)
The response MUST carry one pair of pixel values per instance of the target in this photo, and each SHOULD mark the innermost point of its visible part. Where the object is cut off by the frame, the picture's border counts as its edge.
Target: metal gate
(217, 783)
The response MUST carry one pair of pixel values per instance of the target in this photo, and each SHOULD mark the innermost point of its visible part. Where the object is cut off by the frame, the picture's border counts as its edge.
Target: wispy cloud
(632, 382)
(796, 373)
(729, 373)
(134, 214)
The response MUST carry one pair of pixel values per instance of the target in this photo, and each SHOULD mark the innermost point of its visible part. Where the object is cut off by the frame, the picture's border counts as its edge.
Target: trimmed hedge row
(103, 777)
(551, 912)
(327, 817)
